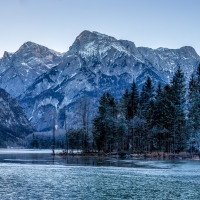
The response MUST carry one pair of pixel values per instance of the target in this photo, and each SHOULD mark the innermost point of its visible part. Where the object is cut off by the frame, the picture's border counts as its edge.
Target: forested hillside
(158, 118)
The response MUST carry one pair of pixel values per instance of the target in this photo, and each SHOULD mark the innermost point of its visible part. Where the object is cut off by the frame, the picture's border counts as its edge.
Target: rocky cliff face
(20, 69)
(95, 63)
(13, 122)
(165, 61)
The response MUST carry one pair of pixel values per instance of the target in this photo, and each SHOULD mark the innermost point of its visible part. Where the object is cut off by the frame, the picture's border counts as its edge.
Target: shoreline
(151, 156)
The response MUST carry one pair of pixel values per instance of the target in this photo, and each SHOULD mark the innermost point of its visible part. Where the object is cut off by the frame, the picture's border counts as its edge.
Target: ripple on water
(25, 181)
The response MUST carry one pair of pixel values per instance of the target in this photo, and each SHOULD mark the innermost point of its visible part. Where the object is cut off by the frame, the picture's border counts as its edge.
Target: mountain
(166, 60)
(13, 122)
(95, 63)
(24, 66)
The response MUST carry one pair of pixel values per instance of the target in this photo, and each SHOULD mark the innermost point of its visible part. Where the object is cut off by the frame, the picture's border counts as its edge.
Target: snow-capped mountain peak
(89, 44)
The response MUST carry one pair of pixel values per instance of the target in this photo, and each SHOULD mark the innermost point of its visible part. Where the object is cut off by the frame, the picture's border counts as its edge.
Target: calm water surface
(31, 174)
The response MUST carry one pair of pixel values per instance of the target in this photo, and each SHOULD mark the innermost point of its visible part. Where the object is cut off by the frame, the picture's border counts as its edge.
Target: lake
(35, 174)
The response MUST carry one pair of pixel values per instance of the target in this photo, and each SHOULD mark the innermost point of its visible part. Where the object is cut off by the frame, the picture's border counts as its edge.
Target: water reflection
(39, 175)
(45, 157)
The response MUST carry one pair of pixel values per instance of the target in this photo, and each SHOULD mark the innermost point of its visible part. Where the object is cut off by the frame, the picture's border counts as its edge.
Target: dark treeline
(45, 140)
(156, 119)
(159, 118)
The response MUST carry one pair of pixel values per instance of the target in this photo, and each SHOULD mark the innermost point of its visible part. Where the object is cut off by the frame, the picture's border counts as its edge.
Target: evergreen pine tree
(147, 93)
(158, 91)
(126, 111)
(192, 88)
(149, 124)
(134, 104)
(163, 118)
(194, 111)
(104, 123)
(134, 100)
(198, 78)
(125, 105)
(122, 132)
(146, 106)
(178, 99)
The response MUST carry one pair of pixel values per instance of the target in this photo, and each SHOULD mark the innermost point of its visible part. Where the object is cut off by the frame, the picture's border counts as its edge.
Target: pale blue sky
(56, 23)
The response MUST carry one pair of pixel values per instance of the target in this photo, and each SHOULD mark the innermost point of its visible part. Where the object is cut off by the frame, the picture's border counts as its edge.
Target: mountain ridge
(25, 65)
(95, 63)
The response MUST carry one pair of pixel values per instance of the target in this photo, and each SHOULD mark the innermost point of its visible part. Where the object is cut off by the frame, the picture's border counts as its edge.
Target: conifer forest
(161, 118)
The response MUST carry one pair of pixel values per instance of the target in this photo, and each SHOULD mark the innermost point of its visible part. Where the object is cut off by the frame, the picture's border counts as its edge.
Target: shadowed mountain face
(13, 121)
(95, 63)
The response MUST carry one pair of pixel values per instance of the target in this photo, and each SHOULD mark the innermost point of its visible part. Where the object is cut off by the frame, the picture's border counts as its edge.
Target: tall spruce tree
(194, 111)
(146, 104)
(129, 106)
(193, 89)
(156, 127)
(126, 112)
(125, 105)
(134, 100)
(159, 91)
(147, 94)
(198, 77)
(134, 104)
(149, 125)
(178, 98)
(121, 133)
(104, 123)
(163, 118)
